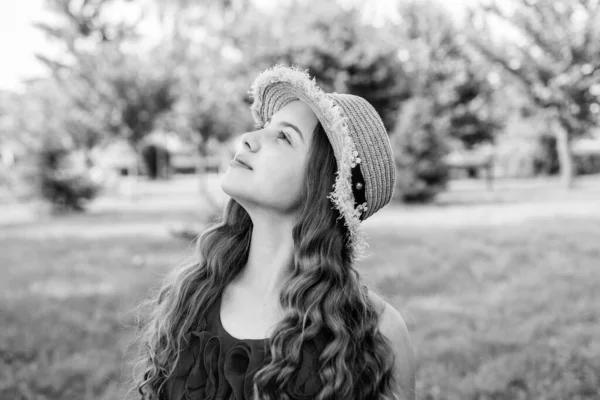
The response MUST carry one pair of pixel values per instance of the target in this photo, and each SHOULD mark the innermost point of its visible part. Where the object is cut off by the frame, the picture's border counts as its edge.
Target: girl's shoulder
(393, 327)
(379, 303)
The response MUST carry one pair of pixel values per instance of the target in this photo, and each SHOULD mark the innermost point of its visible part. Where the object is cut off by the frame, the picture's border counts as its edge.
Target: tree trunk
(565, 158)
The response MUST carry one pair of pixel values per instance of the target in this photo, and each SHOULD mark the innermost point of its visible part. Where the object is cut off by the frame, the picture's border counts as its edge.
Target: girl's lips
(237, 163)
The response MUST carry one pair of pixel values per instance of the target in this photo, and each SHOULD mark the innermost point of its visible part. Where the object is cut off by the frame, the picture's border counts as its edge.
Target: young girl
(273, 308)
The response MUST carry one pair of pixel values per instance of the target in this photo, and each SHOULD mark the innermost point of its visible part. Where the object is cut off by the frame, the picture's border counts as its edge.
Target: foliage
(211, 102)
(587, 164)
(441, 67)
(111, 89)
(554, 55)
(472, 119)
(419, 147)
(89, 42)
(64, 181)
(51, 162)
(49, 137)
(142, 95)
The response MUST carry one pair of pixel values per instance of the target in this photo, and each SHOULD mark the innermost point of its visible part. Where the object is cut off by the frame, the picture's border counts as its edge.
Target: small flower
(361, 207)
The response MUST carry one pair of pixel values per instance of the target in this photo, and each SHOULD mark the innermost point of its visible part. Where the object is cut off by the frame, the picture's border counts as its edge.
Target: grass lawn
(496, 311)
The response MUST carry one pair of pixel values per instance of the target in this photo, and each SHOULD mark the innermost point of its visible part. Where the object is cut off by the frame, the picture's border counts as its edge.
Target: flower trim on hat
(336, 122)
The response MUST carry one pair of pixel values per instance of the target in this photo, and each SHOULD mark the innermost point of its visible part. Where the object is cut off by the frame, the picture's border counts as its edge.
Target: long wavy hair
(324, 293)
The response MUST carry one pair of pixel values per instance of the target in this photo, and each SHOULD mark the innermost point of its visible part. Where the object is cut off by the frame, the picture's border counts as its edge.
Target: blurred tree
(440, 66)
(419, 149)
(472, 118)
(53, 166)
(84, 35)
(555, 55)
(141, 94)
(451, 97)
(14, 142)
(65, 179)
(112, 90)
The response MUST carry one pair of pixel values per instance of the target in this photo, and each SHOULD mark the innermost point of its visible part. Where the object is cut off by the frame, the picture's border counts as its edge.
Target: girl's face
(277, 156)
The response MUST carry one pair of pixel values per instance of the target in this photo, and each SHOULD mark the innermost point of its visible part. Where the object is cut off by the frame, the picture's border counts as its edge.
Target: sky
(19, 40)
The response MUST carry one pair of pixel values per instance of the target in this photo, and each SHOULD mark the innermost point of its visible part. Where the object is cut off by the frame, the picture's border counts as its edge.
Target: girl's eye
(284, 136)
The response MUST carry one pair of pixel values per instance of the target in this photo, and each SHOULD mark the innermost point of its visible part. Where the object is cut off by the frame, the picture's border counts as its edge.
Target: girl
(273, 307)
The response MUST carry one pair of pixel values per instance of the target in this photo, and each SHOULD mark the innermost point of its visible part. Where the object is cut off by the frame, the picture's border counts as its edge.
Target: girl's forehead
(299, 113)
(296, 108)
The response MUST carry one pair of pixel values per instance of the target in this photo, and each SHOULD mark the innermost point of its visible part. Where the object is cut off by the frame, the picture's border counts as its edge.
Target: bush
(586, 164)
(419, 150)
(65, 179)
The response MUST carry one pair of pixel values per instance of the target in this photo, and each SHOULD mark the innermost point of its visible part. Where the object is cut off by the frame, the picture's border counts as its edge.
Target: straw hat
(366, 171)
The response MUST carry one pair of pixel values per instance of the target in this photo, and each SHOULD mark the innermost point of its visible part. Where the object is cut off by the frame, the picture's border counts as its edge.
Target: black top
(219, 366)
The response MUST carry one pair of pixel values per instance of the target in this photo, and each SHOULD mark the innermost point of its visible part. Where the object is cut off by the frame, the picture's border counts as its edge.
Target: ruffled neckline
(217, 365)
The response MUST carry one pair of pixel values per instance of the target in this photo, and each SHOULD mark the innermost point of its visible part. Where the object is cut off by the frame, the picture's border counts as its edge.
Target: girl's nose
(251, 140)
(246, 141)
